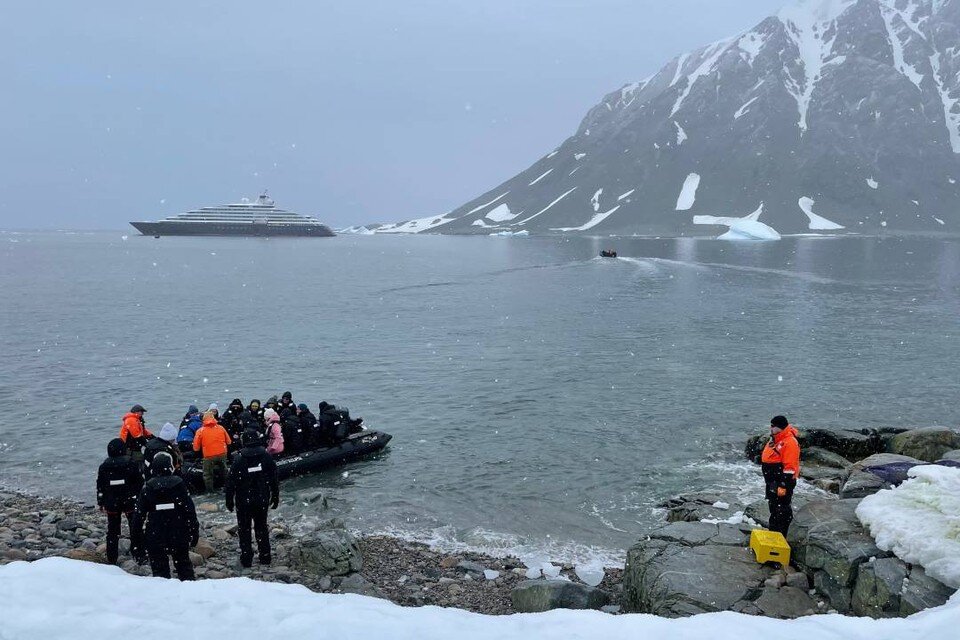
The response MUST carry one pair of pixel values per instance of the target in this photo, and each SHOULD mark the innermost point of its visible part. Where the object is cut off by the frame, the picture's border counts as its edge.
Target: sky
(355, 111)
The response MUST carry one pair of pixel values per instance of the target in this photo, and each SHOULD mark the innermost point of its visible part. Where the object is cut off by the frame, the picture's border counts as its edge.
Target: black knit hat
(779, 422)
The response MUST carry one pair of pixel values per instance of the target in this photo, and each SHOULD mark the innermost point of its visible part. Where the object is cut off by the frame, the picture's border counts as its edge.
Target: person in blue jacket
(189, 426)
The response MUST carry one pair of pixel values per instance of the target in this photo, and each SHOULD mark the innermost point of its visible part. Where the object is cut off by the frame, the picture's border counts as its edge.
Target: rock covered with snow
(759, 117)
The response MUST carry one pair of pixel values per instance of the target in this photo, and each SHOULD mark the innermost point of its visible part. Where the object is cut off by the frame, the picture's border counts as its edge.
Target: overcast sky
(355, 111)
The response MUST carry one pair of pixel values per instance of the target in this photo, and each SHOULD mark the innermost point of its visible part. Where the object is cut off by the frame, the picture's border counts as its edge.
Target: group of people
(141, 477)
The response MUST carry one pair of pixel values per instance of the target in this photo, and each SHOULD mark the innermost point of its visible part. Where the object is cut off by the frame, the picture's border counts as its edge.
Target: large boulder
(881, 459)
(823, 458)
(694, 507)
(861, 484)
(927, 444)
(951, 455)
(671, 578)
(532, 596)
(759, 510)
(328, 550)
(879, 587)
(822, 515)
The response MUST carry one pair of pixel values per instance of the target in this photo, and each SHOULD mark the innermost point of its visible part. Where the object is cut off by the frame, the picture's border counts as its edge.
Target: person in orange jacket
(212, 441)
(134, 432)
(780, 463)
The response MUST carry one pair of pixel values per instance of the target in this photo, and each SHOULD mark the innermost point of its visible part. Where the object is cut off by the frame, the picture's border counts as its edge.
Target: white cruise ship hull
(250, 229)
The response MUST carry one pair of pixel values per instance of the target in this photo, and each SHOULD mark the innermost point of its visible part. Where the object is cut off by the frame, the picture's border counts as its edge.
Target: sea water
(542, 400)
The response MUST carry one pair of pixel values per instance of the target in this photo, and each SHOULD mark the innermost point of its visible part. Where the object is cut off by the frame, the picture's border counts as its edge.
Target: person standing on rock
(780, 463)
(118, 484)
(212, 440)
(251, 487)
(134, 432)
(166, 508)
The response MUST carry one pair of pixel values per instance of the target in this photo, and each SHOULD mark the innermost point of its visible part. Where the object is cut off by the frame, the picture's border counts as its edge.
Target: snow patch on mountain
(744, 109)
(873, 184)
(894, 29)
(595, 200)
(540, 177)
(415, 226)
(487, 204)
(501, 214)
(688, 194)
(817, 223)
(711, 56)
(750, 45)
(547, 208)
(807, 24)
(594, 221)
(625, 195)
(951, 105)
(681, 134)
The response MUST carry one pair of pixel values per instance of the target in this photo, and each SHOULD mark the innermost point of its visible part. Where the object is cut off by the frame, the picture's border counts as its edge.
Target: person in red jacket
(780, 462)
(212, 440)
(134, 432)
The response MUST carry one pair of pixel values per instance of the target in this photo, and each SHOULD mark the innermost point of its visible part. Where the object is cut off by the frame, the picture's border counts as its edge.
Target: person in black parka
(164, 441)
(308, 426)
(166, 509)
(293, 435)
(251, 488)
(252, 418)
(118, 483)
(231, 419)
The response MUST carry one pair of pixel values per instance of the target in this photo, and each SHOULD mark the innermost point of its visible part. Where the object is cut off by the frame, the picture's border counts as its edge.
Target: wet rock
(879, 459)
(450, 562)
(823, 458)
(67, 524)
(611, 608)
(927, 444)
(798, 580)
(878, 588)
(196, 559)
(471, 567)
(355, 583)
(951, 455)
(850, 444)
(694, 507)
(330, 550)
(13, 554)
(205, 549)
(208, 507)
(785, 603)
(532, 596)
(861, 484)
(824, 515)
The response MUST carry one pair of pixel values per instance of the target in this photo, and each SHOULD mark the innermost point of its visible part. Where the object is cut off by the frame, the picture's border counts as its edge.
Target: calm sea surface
(540, 398)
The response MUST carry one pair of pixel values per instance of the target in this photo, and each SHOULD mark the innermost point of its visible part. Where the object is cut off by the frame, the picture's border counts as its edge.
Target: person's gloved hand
(194, 539)
(781, 491)
(275, 502)
(229, 505)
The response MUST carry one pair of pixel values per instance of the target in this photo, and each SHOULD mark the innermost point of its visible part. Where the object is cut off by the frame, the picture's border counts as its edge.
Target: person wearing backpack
(118, 483)
(165, 508)
(251, 488)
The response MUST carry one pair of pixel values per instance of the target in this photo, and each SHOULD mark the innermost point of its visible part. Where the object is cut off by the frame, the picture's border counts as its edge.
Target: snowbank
(59, 598)
(920, 521)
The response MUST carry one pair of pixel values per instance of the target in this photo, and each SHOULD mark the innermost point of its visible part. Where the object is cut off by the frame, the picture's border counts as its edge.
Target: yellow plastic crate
(770, 546)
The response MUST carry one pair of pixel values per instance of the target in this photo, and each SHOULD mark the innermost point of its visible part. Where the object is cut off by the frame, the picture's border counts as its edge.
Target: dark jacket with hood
(155, 446)
(118, 480)
(167, 509)
(252, 419)
(252, 481)
(231, 419)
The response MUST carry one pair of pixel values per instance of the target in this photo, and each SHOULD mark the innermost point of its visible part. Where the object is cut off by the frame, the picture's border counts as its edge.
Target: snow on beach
(919, 521)
(60, 598)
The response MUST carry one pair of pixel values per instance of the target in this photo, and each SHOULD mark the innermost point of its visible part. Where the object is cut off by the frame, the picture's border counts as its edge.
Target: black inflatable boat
(354, 447)
(608, 253)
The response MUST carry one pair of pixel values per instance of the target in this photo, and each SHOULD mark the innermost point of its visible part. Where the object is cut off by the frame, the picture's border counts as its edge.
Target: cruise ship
(261, 218)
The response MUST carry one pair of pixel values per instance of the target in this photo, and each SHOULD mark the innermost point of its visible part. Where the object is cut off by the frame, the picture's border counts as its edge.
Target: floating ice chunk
(590, 575)
(873, 184)
(490, 574)
(688, 194)
(550, 570)
(719, 504)
(748, 227)
(817, 223)
(511, 233)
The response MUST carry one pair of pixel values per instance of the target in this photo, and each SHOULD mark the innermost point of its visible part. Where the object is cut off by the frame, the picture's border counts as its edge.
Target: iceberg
(748, 227)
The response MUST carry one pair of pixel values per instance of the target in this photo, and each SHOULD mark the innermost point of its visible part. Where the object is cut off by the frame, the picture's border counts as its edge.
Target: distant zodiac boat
(261, 218)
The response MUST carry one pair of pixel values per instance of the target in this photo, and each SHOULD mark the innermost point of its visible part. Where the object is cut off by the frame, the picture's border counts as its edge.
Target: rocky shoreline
(697, 562)
(323, 557)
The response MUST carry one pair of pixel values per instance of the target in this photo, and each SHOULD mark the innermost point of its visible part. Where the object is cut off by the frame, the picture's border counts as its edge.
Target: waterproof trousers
(781, 511)
(256, 516)
(160, 561)
(113, 537)
(214, 472)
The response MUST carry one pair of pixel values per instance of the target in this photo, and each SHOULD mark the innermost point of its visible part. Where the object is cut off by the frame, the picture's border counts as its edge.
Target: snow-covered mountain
(832, 114)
